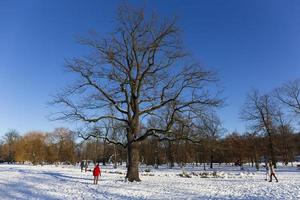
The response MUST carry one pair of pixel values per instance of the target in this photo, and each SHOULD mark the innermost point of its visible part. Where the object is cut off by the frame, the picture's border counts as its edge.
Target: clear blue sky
(254, 43)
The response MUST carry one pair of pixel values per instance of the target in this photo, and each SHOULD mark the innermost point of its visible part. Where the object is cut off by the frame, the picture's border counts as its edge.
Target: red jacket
(97, 171)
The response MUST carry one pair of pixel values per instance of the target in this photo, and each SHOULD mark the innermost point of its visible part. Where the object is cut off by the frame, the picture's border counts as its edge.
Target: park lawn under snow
(67, 182)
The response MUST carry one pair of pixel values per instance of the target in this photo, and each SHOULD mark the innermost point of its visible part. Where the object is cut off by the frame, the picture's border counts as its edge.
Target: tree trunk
(271, 150)
(115, 157)
(256, 158)
(211, 159)
(170, 155)
(156, 162)
(104, 153)
(133, 161)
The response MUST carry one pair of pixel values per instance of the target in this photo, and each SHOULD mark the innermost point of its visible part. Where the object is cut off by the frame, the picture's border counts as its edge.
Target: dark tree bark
(133, 162)
(170, 154)
(211, 159)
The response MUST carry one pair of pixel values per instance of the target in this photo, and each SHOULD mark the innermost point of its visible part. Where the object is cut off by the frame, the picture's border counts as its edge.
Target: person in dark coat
(82, 165)
(96, 173)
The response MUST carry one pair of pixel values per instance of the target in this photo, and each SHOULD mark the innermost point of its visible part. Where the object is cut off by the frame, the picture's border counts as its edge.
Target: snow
(67, 182)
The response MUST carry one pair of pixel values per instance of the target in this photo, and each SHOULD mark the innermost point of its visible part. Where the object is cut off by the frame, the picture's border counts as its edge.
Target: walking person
(272, 172)
(267, 171)
(86, 166)
(82, 165)
(96, 173)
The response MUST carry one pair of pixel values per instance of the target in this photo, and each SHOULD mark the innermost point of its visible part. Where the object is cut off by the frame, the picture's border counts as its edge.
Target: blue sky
(252, 44)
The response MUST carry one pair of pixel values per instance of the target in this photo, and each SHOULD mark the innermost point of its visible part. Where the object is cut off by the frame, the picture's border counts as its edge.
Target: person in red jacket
(96, 173)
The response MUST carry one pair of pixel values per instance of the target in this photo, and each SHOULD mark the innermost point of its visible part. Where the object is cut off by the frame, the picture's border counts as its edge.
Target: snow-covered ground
(63, 182)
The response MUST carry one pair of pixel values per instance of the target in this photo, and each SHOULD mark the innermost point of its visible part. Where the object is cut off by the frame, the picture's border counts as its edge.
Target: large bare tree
(133, 74)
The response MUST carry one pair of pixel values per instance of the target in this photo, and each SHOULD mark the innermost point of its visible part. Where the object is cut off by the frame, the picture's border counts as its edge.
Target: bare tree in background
(211, 127)
(65, 142)
(9, 150)
(251, 141)
(289, 95)
(137, 71)
(261, 112)
(284, 131)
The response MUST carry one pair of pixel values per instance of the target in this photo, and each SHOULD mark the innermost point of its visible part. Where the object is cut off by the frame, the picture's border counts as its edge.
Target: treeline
(271, 120)
(61, 146)
(234, 148)
(39, 147)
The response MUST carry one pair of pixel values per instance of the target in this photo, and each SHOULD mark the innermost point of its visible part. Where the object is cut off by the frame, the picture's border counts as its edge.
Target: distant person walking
(267, 171)
(86, 166)
(272, 172)
(82, 165)
(96, 173)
